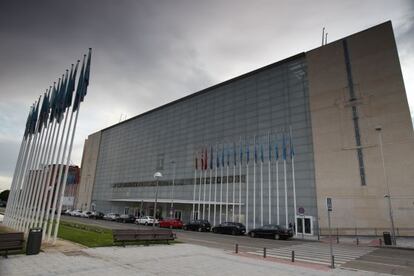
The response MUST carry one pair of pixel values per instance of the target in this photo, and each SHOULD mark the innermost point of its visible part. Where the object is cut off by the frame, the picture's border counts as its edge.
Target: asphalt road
(384, 260)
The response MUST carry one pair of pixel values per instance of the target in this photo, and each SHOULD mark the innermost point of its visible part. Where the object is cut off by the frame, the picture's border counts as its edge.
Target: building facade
(270, 146)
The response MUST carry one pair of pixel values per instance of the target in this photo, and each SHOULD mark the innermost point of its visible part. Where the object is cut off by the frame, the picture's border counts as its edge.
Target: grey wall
(272, 99)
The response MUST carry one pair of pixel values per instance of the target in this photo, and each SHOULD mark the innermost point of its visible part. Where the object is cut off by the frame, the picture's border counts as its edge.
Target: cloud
(148, 53)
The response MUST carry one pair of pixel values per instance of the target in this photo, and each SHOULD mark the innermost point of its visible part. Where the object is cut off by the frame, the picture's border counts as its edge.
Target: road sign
(301, 210)
(329, 204)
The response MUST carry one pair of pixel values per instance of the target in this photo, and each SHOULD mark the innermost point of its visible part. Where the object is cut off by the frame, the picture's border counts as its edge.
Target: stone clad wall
(380, 100)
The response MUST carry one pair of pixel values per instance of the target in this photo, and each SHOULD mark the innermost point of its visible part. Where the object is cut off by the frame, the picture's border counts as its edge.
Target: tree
(4, 195)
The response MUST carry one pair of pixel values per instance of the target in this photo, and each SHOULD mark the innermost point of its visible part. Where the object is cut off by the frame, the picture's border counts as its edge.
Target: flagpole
(221, 191)
(45, 171)
(261, 192)
(52, 177)
(209, 192)
(14, 184)
(199, 189)
(38, 177)
(247, 196)
(195, 186)
(234, 189)
(227, 189)
(27, 178)
(19, 187)
(286, 195)
(254, 184)
(51, 168)
(204, 191)
(65, 177)
(292, 154)
(270, 175)
(277, 192)
(32, 182)
(60, 167)
(240, 182)
(215, 188)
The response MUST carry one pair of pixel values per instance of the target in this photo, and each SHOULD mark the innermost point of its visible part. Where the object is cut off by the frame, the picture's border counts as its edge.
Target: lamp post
(172, 189)
(388, 195)
(157, 176)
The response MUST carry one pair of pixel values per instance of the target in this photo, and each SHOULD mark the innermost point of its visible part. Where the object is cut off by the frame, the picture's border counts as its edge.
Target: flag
(292, 151)
(222, 157)
(270, 148)
(196, 162)
(202, 160)
(255, 151)
(43, 112)
(247, 153)
(34, 118)
(234, 154)
(217, 157)
(52, 102)
(241, 152)
(228, 157)
(83, 82)
(211, 157)
(71, 86)
(206, 159)
(284, 147)
(261, 153)
(276, 150)
(28, 122)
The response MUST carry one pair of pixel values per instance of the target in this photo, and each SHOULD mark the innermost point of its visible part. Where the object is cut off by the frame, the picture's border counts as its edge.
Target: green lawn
(89, 236)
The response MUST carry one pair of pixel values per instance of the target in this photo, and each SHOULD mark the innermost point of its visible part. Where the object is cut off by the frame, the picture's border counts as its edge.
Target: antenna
(323, 35)
(326, 38)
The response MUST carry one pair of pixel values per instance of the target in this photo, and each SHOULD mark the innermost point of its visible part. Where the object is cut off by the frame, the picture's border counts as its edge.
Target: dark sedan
(198, 225)
(126, 218)
(96, 215)
(271, 231)
(232, 228)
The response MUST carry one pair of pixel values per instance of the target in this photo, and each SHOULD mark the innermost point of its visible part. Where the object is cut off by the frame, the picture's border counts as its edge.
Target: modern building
(328, 114)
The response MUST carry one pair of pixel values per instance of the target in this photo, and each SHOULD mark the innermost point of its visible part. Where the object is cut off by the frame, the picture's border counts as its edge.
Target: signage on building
(329, 204)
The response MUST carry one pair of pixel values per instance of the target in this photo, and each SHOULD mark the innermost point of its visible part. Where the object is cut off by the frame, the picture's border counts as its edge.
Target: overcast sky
(148, 53)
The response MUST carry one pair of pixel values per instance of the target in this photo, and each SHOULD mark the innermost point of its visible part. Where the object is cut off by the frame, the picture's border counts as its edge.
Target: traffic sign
(329, 204)
(301, 210)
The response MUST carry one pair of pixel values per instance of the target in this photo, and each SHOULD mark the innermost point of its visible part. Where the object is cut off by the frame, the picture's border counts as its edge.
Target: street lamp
(388, 195)
(172, 189)
(157, 176)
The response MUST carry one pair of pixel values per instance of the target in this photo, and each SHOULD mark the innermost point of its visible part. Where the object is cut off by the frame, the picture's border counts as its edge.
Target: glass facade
(259, 106)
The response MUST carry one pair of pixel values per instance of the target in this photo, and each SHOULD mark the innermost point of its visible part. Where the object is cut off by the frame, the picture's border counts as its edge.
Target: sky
(149, 53)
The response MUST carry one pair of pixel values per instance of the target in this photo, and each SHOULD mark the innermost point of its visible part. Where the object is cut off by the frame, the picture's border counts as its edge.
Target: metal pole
(388, 195)
(155, 207)
(215, 195)
(234, 190)
(261, 193)
(194, 191)
(330, 240)
(247, 197)
(172, 190)
(277, 192)
(209, 192)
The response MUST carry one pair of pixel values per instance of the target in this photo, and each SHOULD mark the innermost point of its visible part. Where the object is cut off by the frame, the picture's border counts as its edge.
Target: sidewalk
(178, 259)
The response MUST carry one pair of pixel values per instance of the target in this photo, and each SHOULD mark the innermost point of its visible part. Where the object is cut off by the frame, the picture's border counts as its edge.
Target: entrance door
(304, 225)
(177, 214)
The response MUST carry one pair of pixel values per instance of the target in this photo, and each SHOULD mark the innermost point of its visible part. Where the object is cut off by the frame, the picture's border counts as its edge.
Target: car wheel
(233, 232)
(200, 229)
(184, 227)
(146, 223)
(277, 237)
(252, 234)
(215, 230)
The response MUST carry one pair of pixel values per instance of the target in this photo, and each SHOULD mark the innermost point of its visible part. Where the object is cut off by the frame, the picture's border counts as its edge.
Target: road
(384, 260)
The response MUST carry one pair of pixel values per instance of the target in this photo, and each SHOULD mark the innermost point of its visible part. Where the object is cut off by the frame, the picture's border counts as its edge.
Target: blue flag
(255, 151)
(270, 149)
(222, 157)
(276, 151)
(292, 151)
(284, 147)
(241, 153)
(247, 153)
(261, 153)
(234, 154)
(228, 157)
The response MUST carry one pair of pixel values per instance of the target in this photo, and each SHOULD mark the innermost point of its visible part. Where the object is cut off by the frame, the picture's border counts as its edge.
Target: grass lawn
(90, 236)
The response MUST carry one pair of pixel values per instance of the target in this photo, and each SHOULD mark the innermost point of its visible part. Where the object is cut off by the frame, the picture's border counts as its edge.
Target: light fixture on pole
(388, 195)
(157, 177)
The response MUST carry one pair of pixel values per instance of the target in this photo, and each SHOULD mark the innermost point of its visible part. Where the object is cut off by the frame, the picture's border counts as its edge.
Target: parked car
(75, 213)
(67, 212)
(126, 218)
(272, 231)
(198, 225)
(85, 214)
(233, 228)
(171, 223)
(146, 220)
(111, 216)
(97, 215)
